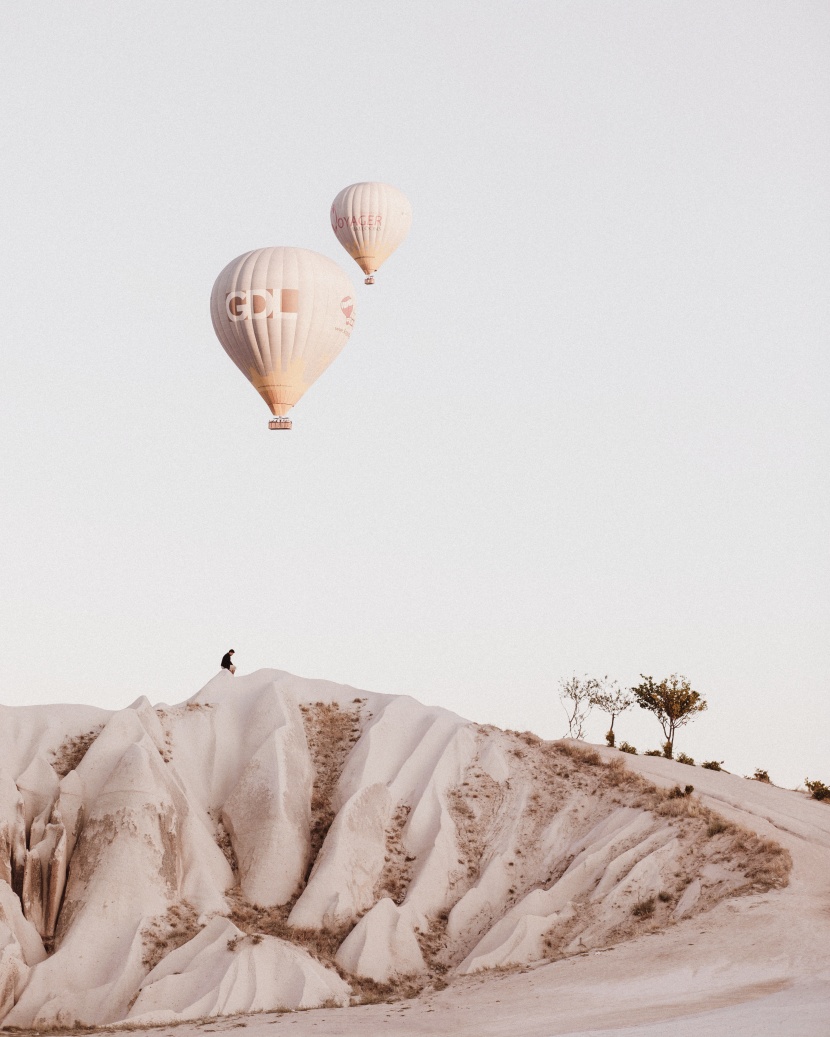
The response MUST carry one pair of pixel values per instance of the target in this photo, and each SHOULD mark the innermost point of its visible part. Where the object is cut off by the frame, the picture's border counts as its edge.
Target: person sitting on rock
(227, 662)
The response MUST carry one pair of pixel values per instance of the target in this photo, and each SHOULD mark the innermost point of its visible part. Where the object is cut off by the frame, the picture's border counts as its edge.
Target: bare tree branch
(576, 695)
(614, 700)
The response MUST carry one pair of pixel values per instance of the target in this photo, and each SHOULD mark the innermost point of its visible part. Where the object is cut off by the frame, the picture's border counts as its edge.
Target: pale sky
(581, 424)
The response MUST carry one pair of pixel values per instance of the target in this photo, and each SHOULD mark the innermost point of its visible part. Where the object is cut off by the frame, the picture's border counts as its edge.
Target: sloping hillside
(279, 843)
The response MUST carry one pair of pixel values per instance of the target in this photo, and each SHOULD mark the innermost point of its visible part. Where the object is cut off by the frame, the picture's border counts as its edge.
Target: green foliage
(626, 747)
(673, 701)
(761, 775)
(712, 765)
(683, 758)
(818, 790)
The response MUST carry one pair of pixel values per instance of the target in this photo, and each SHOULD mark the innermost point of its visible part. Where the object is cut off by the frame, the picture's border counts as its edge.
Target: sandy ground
(752, 966)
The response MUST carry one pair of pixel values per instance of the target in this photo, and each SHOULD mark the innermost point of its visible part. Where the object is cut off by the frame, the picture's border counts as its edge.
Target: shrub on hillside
(712, 765)
(653, 752)
(684, 758)
(643, 908)
(761, 775)
(626, 747)
(818, 790)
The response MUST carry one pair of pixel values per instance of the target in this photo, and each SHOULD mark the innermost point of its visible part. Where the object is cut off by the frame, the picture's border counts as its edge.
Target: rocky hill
(276, 843)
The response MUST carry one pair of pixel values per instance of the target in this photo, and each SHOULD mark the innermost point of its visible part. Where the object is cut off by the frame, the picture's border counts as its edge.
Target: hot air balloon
(370, 220)
(282, 315)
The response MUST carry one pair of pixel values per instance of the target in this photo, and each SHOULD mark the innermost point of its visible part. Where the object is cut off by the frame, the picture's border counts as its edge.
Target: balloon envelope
(370, 220)
(282, 315)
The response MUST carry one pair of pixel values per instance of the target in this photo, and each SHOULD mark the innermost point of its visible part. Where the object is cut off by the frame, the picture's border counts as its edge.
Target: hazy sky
(581, 425)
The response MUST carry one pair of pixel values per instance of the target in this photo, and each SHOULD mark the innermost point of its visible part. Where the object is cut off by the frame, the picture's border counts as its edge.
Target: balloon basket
(369, 280)
(277, 423)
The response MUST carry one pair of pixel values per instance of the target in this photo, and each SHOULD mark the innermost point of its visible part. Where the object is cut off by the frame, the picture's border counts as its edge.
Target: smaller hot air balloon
(282, 315)
(370, 220)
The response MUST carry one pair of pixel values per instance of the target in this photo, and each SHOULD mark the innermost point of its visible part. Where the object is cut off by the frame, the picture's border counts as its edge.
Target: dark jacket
(227, 662)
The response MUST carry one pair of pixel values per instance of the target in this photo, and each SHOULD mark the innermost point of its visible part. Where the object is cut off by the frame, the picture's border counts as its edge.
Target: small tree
(577, 699)
(672, 701)
(611, 699)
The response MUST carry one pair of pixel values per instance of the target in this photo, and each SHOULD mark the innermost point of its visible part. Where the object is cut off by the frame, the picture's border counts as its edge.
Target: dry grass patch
(433, 944)
(579, 755)
(257, 921)
(366, 991)
(766, 865)
(397, 869)
(166, 748)
(331, 733)
(254, 920)
(72, 750)
(169, 931)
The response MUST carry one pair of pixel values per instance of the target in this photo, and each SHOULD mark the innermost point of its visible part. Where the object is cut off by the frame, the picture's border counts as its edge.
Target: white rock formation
(221, 971)
(149, 856)
(348, 868)
(383, 946)
(20, 949)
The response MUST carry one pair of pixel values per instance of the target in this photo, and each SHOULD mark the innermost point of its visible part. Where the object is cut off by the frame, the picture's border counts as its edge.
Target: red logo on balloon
(347, 305)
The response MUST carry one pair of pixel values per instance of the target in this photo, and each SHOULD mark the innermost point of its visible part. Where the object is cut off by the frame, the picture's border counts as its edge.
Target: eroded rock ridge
(277, 842)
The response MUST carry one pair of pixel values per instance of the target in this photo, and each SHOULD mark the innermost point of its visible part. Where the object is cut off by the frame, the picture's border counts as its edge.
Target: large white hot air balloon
(282, 315)
(370, 221)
